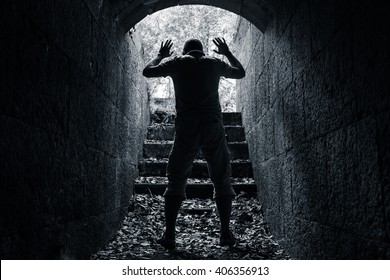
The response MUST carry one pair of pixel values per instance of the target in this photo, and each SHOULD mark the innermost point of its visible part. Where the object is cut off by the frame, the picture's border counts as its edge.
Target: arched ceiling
(130, 12)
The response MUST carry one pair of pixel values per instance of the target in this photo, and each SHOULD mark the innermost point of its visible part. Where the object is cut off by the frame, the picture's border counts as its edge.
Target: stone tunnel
(315, 106)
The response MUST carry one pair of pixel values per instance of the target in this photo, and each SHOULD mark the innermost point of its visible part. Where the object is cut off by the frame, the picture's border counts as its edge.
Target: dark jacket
(196, 79)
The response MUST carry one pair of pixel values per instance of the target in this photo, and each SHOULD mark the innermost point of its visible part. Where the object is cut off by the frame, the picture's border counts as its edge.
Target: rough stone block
(330, 243)
(127, 171)
(98, 53)
(258, 40)
(270, 40)
(35, 88)
(256, 139)
(308, 166)
(268, 128)
(111, 74)
(336, 161)
(123, 138)
(301, 39)
(321, 21)
(95, 188)
(286, 196)
(231, 118)
(258, 57)
(316, 104)
(234, 7)
(77, 241)
(59, 129)
(263, 88)
(71, 19)
(328, 18)
(283, 62)
(325, 242)
(293, 119)
(92, 116)
(369, 67)
(94, 7)
(257, 12)
(354, 188)
(41, 243)
(279, 131)
(246, 49)
(384, 164)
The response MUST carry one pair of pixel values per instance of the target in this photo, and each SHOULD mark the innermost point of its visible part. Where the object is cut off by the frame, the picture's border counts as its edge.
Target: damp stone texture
(315, 106)
(73, 115)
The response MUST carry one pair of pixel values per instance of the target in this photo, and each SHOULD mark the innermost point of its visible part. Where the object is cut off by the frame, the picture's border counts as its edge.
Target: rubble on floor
(197, 232)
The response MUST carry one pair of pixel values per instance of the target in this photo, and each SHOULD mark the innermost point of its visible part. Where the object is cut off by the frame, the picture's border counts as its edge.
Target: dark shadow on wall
(314, 109)
(73, 117)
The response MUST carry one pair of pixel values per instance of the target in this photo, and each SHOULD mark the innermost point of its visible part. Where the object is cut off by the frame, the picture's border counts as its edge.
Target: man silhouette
(198, 126)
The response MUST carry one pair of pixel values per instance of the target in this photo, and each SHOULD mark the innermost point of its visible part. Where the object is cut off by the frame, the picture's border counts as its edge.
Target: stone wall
(73, 111)
(73, 114)
(315, 107)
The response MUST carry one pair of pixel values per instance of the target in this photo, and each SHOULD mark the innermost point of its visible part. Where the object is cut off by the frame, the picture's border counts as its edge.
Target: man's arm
(165, 51)
(234, 63)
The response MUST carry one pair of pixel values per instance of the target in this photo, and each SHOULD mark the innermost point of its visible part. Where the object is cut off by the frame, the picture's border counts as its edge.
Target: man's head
(192, 45)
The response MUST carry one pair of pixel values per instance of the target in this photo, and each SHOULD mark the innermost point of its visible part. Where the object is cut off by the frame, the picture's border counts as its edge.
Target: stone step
(159, 144)
(161, 149)
(229, 118)
(232, 118)
(164, 180)
(166, 132)
(148, 167)
(194, 190)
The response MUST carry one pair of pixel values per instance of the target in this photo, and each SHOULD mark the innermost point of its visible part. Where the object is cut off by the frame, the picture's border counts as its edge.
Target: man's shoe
(167, 243)
(227, 240)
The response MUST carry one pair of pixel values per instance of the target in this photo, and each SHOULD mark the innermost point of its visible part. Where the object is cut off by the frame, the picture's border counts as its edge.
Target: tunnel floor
(197, 232)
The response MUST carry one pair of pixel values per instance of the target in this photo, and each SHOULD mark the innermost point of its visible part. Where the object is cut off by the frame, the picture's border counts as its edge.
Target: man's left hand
(165, 49)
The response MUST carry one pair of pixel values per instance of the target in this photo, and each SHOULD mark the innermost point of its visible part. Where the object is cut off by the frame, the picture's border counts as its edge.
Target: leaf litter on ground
(164, 180)
(197, 232)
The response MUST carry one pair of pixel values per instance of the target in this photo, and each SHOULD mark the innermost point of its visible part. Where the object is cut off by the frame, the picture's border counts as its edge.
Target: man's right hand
(222, 46)
(165, 49)
(239, 71)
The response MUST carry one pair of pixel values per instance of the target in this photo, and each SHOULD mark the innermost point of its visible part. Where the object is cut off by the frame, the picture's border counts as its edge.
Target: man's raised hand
(165, 49)
(222, 46)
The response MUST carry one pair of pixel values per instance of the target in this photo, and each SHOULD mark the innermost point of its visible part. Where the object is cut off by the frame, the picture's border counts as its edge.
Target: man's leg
(179, 168)
(171, 207)
(224, 206)
(217, 154)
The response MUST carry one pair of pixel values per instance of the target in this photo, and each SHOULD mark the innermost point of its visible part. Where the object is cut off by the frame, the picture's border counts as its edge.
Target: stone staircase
(155, 158)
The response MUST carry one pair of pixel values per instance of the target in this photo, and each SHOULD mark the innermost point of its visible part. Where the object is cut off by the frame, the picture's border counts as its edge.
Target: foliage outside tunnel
(180, 24)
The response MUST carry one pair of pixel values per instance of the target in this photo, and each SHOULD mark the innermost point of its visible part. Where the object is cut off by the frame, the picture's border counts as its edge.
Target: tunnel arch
(313, 101)
(127, 14)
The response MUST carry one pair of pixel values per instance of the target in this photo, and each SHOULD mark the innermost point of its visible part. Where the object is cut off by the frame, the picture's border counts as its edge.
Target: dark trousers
(193, 133)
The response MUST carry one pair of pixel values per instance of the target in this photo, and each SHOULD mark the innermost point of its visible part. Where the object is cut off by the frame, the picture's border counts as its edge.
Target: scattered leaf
(197, 232)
